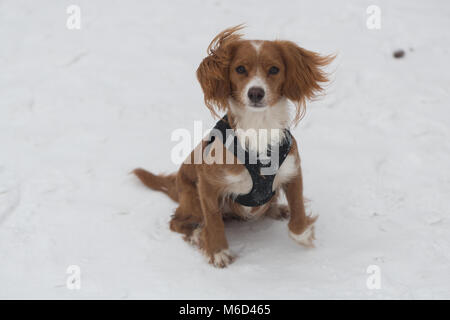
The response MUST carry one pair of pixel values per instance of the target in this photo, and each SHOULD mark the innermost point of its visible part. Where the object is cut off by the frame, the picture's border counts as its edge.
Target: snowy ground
(79, 109)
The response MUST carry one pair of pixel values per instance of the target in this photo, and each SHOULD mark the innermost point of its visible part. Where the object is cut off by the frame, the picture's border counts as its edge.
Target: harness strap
(260, 170)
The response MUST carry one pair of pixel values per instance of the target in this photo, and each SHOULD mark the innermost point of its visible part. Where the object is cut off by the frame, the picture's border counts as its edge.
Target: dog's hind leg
(188, 216)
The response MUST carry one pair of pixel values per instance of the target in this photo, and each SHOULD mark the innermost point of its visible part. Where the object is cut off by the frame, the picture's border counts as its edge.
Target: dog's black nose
(256, 94)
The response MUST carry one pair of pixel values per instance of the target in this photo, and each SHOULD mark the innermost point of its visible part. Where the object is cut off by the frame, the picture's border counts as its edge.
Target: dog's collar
(261, 191)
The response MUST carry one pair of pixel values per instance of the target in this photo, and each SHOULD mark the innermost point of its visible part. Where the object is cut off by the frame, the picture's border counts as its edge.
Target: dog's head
(258, 74)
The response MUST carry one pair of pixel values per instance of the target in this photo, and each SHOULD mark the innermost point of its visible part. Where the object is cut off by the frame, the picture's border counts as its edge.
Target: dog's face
(258, 74)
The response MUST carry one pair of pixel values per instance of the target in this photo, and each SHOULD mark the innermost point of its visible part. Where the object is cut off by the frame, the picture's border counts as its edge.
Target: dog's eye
(273, 70)
(240, 70)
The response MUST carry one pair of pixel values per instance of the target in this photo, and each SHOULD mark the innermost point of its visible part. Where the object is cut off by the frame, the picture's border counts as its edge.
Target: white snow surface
(79, 109)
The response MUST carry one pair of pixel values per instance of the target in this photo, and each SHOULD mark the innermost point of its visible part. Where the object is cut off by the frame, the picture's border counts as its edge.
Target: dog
(252, 82)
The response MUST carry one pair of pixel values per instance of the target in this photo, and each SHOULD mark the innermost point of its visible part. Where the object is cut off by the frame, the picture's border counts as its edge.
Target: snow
(79, 109)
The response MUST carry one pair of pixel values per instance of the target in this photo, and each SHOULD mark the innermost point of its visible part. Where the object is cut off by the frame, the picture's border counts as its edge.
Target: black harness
(259, 168)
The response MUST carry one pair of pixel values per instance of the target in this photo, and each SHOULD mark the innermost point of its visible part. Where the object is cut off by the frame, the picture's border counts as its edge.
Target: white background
(80, 109)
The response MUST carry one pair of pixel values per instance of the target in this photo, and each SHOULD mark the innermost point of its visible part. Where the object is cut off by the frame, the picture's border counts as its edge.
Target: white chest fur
(257, 130)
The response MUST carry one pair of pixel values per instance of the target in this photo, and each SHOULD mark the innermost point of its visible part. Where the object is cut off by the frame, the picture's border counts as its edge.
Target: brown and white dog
(252, 82)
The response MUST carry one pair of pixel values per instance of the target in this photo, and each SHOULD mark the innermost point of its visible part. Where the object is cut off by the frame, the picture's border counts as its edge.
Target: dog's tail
(163, 183)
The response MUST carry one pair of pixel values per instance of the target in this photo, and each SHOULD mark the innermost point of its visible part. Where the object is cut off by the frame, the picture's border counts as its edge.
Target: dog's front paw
(222, 258)
(306, 237)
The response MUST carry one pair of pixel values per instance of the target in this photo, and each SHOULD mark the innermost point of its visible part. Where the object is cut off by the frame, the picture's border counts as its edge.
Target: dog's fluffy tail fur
(163, 183)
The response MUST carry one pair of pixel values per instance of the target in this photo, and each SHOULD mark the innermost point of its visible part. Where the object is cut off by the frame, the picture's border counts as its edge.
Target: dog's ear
(213, 72)
(304, 75)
